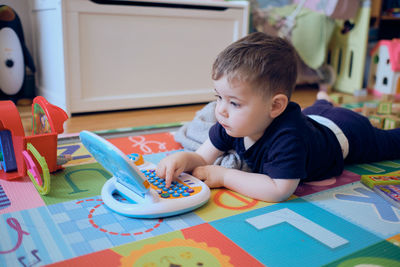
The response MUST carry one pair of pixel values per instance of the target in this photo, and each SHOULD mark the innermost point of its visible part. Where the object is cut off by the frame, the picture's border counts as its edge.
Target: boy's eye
(236, 105)
(218, 97)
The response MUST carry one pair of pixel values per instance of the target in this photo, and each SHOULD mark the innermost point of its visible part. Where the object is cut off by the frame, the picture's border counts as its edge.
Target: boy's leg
(323, 102)
(388, 143)
(322, 95)
(366, 143)
(319, 106)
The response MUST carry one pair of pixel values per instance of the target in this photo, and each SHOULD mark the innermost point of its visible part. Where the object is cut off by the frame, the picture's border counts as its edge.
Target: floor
(305, 96)
(335, 222)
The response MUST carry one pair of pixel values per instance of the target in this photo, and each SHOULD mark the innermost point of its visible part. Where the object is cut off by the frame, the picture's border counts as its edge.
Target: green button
(165, 195)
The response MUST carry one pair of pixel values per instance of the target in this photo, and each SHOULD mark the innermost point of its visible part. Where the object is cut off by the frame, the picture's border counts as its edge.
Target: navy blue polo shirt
(292, 147)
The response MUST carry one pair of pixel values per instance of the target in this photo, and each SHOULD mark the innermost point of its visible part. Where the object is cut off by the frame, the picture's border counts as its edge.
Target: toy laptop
(145, 193)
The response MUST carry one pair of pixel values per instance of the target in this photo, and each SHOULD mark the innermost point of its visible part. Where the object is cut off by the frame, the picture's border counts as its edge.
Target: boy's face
(241, 111)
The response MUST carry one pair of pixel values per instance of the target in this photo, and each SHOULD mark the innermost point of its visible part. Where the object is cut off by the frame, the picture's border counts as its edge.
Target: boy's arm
(208, 152)
(254, 185)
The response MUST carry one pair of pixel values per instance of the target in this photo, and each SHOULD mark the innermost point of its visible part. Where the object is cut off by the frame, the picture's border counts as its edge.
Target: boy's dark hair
(266, 63)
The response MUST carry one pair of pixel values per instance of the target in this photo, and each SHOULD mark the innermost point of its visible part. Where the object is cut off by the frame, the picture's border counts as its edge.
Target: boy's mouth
(226, 127)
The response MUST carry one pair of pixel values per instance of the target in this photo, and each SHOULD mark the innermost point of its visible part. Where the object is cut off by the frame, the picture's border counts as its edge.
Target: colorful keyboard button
(176, 190)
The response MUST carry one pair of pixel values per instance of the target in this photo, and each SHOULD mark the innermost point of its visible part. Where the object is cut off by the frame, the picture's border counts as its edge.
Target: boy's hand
(211, 175)
(170, 167)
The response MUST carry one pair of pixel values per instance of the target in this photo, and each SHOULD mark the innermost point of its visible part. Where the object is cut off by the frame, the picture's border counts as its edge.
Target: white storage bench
(112, 55)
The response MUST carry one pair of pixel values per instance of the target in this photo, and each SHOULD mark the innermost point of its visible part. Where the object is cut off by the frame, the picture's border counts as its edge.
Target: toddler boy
(253, 80)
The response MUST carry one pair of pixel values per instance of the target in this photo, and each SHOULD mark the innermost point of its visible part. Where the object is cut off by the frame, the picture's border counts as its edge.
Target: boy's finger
(160, 171)
(169, 176)
(178, 172)
(198, 172)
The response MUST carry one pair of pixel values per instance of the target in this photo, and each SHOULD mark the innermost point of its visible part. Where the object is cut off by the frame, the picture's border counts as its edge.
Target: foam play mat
(336, 222)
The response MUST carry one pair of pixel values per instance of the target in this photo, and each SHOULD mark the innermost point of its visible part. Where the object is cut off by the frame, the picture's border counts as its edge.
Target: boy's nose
(221, 109)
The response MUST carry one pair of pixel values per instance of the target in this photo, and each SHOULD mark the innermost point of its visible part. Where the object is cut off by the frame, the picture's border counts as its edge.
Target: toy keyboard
(145, 193)
(184, 187)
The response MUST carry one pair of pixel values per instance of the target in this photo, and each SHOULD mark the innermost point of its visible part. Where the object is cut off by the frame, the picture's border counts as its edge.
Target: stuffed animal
(14, 57)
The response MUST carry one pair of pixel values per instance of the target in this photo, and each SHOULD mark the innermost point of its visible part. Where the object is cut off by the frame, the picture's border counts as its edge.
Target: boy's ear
(278, 104)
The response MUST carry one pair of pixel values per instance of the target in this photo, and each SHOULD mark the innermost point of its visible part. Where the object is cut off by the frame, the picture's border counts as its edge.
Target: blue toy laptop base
(146, 194)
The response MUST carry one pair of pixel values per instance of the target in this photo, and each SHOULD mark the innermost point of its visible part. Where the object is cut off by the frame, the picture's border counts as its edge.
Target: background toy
(373, 180)
(145, 193)
(390, 193)
(336, 33)
(383, 111)
(136, 158)
(47, 118)
(384, 114)
(14, 56)
(42, 185)
(385, 185)
(35, 154)
(384, 72)
(7, 161)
